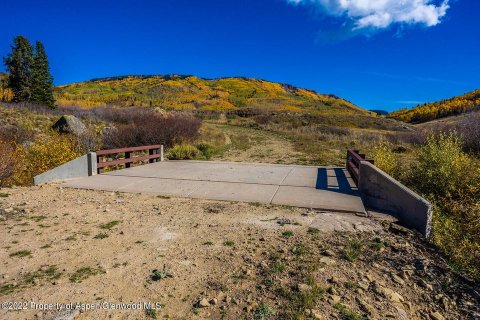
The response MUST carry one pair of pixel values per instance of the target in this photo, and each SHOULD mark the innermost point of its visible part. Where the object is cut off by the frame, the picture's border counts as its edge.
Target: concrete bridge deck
(325, 188)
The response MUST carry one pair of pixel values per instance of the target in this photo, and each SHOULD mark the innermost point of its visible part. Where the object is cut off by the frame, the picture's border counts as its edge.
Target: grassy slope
(190, 92)
(430, 111)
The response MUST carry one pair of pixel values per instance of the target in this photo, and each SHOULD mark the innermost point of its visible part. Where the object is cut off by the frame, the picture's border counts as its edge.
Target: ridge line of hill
(192, 92)
(456, 105)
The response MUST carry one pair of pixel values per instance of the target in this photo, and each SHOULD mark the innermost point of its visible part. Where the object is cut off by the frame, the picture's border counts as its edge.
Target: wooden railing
(113, 157)
(353, 164)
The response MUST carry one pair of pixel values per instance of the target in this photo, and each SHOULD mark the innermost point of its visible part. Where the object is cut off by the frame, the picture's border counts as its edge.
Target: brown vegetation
(148, 128)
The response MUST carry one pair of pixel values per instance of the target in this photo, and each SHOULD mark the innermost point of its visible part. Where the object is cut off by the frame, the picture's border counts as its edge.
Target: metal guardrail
(130, 155)
(353, 164)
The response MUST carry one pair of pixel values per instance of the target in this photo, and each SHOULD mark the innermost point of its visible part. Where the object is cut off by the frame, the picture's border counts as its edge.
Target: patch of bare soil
(251, 145)
(202, 259)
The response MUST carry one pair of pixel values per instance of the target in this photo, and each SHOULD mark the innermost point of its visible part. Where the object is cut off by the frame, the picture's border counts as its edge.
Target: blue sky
(385, 56)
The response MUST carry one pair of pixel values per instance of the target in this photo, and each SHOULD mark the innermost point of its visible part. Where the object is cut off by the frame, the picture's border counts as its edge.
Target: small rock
(425, 284)
(397, 279)
(334, 280)
(363, 285)
(334, 299)
(284, 221)
(398, 229)
(436, 316)
(227, 299)
(327, 261)
(402, 314)
(405, 274)
(214, 302)
(445, 303)
(388, 293)
(365, 305)
(203, 303)
(316, 314)
(332, 290)
(328, 253)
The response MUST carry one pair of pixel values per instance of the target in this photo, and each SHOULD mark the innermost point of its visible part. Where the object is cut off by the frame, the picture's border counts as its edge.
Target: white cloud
(382, 13)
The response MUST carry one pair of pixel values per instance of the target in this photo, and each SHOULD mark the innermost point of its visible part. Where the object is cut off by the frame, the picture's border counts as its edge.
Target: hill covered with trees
(430, 111)
(190, 93)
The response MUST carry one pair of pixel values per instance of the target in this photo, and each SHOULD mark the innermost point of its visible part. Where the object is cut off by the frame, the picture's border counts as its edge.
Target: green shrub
(353, 250)
(264, 312)
(206, 150)
(183, 152)
(21, 253)
(287, 234)
(228, 243)
(346, 313)
(110, 225)
(443, 169)
(84, 273)
(450, 179)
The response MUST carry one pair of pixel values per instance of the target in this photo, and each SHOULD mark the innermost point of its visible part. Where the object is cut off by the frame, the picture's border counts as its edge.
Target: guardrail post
(151, 152)
(127, 156)
(92, 163)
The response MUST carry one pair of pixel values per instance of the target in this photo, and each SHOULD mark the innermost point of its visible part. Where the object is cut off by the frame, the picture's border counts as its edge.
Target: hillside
(190, 92)
(440, 109)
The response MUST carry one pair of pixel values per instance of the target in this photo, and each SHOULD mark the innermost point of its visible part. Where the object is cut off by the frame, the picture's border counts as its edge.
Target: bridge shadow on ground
(335, 180)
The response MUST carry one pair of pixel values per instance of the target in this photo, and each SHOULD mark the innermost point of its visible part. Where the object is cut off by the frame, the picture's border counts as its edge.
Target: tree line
(29, 75)
(467, 102)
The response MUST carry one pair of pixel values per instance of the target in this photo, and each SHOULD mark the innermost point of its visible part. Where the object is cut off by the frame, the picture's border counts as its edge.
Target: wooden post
(100, 159)
(127, 156)
(151, 152)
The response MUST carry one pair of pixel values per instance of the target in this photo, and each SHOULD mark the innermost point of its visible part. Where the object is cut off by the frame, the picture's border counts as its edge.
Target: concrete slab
(318, 199)
(301, 186)
(167, 187)
(210, 171)
(102, 182)
(301, 177)
(236, 192)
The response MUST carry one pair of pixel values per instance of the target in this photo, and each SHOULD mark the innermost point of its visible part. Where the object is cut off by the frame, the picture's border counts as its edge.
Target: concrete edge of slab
(253, 163)
(334, 210)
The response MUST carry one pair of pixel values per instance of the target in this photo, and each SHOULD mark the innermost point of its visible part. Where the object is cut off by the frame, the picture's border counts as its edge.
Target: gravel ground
(202, 259)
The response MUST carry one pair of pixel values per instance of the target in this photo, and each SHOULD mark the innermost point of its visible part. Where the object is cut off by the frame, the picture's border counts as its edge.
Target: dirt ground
(251, 145)
(202, 259)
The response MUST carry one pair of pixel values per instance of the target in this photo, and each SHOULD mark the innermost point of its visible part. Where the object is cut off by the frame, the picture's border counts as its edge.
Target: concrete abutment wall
(381, 192)
(83, 166)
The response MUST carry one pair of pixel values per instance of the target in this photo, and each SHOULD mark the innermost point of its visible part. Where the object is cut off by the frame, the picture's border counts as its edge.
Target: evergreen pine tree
(42, 81)
(19, 64)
